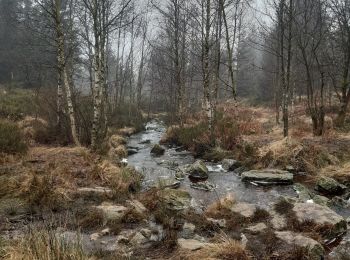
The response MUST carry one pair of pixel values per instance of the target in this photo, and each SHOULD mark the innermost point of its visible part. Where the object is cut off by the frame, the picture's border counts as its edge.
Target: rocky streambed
(173, 167)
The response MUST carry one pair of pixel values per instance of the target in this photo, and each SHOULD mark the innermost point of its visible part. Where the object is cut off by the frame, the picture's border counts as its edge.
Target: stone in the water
(176, 200)
(315, 250)
(329, 186)
(147, 141)
(180, 176)
(157, 150)
(321, 216)
(268, 177)
(230, 164)
(198, 170)
(132, 151)
(203, 185)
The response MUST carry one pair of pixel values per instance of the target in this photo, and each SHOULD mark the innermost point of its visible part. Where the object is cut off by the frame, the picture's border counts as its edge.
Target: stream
(156, 168)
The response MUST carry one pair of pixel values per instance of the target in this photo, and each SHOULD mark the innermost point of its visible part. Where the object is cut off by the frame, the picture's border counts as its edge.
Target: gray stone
(268, 177)
(258, 228)
(230, 164)
(168, 182)
(190, 244)
(137, 206)
(329, 186)
(198, 170)
(95, 191)
(245, 209)
(316, 251)
(342, 251)
(322, 216)
(278, 221)
(139, 239)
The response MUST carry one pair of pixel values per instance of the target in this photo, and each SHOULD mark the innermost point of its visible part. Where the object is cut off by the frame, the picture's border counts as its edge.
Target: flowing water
(156, 168)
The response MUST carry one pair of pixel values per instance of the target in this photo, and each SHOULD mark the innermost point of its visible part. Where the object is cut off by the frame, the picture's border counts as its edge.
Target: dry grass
(339, 172)
(43, 245)
(116, 140)
(227, 249)
(126, 131)
(89, 218)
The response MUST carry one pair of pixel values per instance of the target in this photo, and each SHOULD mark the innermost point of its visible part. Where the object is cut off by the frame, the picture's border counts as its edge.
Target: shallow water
(155, 168)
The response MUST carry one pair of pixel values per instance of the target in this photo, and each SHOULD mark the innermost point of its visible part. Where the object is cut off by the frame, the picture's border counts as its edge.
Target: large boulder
(321, 216)
(175, 200)
(329, 186)
(268, 177)
(198, 170)
(230, 164)
(157, 150)
(315, 250)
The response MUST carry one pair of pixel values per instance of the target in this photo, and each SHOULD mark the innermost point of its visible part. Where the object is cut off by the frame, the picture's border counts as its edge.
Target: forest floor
(71, 203)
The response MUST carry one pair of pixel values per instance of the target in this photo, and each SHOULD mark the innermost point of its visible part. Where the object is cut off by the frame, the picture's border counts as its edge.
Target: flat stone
(316, 251)
(168, 182)
(112, 212)
(322, 216)
(157, 150)
(190, 244)
(245, 209)
(258, 228)
(268, 177)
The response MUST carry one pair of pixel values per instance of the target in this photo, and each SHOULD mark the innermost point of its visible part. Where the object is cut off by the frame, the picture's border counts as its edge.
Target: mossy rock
(175, 200)
(157, 150)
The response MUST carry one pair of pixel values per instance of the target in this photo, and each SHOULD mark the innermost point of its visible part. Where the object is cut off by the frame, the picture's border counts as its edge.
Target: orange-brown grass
(228, 249)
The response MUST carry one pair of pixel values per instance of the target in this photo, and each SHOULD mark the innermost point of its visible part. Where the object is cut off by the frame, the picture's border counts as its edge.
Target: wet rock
(203, 185)
(132, 151)
(157, 150)
(316, 251)
(190, 244)
(198, 171)
(147, 141)
(245, 209)
(268, 177)
(187, 230)
(258, 228)
(176, 200)
(180, 176)
(339, 202)
(322, 216)
(329, 186)
(95, 236)
(230, 164)
(112, 212)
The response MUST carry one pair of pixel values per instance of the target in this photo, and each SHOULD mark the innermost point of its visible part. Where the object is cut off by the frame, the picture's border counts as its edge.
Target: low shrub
(11, 138)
